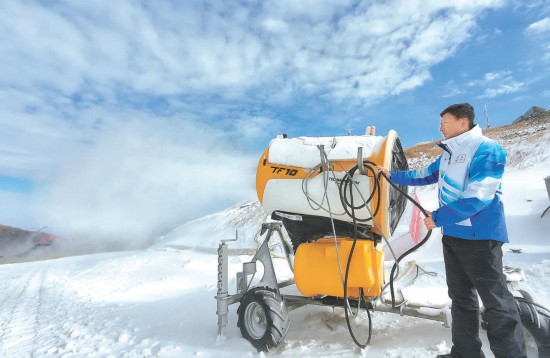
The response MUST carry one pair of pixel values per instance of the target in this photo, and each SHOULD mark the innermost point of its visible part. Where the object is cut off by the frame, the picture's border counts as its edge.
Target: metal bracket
(360, 164)
(544, 212)
(269, 279)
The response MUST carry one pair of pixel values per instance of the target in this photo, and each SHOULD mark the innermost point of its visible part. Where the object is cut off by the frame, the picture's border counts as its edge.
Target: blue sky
(156, 112)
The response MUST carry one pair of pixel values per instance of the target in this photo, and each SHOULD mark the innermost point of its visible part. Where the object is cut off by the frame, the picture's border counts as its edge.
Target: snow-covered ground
(160, 301)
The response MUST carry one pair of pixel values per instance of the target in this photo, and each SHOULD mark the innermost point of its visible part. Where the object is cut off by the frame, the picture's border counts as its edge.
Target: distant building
(530, 113)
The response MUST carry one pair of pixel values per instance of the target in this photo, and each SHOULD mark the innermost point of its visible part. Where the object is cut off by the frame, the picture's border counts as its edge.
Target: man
(471, 216)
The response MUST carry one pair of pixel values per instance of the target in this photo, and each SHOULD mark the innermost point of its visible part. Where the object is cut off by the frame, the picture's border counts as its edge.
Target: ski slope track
(22, 311)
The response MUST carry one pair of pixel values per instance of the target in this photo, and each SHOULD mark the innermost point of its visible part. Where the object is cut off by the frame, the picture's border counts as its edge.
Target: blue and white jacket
(469, 174)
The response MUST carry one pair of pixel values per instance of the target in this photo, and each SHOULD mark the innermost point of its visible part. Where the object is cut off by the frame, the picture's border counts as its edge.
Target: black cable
(345, 203)
(361, 296)
(377, 187)
(348, 181)
(521, 299)
(527, 301)
(342, 189)
(411, 250)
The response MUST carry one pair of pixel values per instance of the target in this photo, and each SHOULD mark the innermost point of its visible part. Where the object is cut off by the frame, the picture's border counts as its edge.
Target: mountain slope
(243, 219)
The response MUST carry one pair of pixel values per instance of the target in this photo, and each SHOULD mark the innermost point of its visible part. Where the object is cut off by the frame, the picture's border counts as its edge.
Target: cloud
(505, 88)
(540, 32)
(495, 84)
(64, 58)
(181, 47)
(133, 115)
(539, 27)
(453, 89)
(494, 76)
(141, 178)
(36, 132)
(249, 128)
(18, 210)
(491, 85)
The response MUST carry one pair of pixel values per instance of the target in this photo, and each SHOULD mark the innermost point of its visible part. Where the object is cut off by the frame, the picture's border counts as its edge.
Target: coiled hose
(348, 204)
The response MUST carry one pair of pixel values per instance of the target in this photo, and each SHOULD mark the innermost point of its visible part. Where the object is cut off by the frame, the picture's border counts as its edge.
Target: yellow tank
(316, 270)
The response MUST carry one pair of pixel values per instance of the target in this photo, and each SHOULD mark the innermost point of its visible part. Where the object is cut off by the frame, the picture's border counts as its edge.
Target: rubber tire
(275, 312)
(540, 334)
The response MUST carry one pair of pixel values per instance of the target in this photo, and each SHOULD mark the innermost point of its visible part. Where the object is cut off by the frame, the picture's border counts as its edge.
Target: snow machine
(335, 215)
(290, 181)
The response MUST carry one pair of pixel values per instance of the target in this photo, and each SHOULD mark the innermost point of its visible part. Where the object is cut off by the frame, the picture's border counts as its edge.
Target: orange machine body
(317, 271)
(273, 181)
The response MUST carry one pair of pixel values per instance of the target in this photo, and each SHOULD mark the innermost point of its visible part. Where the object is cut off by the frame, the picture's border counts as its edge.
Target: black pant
(476, 265)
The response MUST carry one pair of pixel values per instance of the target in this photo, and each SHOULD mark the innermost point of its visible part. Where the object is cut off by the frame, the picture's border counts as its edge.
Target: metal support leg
(269, 279)
(544, 212)
(221, 297)
(286, 247)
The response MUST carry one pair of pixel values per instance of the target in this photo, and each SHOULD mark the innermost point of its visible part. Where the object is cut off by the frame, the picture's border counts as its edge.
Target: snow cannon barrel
(303, 182)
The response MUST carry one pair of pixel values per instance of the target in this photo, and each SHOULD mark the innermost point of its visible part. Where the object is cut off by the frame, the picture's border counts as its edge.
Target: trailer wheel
(263, 318)
(538, 328)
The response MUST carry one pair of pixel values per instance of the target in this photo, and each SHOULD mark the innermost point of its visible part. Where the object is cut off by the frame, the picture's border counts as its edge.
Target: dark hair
(461, 110)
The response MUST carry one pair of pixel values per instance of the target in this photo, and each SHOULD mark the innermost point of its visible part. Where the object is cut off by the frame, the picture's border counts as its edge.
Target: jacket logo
(460, 159)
